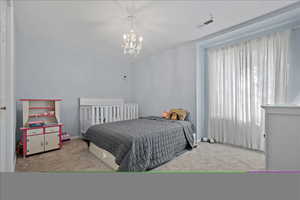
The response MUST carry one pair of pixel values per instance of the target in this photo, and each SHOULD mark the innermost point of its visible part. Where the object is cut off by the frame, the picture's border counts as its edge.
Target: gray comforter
(142, 144)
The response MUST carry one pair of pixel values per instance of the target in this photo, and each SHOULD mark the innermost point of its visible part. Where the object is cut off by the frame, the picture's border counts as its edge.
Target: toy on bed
(175, 114)
(166, 115)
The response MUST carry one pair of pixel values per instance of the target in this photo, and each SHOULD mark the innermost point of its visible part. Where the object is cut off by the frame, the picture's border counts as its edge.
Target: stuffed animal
(182, 114)
(174, 116)
(166, 115)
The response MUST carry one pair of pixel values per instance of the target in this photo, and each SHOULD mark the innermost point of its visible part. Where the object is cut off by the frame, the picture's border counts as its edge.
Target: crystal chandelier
(132, 43)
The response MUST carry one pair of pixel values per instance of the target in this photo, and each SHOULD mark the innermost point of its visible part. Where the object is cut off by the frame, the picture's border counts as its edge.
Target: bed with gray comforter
(142, 144)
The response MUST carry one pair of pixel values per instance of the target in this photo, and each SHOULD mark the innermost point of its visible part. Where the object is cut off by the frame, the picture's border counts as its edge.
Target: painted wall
(73, 65)
(59, 60)
(166, 80)
(294, 84)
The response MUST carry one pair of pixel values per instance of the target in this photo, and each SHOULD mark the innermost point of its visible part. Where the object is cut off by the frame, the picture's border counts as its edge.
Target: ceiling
(100, 24)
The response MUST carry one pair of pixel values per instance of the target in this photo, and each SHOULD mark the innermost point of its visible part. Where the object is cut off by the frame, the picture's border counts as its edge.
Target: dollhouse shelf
(46, 134)
(46, 110)
(40, 99)
(42, 108)
(41, 115)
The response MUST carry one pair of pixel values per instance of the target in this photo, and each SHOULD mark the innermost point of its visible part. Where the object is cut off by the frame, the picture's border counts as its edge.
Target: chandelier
(132, 42)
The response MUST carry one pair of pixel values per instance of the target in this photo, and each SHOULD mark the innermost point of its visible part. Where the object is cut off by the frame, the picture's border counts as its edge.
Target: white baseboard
(76, 137)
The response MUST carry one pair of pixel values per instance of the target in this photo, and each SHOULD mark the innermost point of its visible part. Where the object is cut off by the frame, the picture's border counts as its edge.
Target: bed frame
(99, 111)
(106, 157)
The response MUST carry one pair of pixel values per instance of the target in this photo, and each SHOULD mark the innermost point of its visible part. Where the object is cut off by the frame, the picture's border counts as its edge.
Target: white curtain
(241, 78)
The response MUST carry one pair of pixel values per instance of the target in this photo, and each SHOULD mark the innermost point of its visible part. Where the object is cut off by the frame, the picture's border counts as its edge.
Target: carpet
(75, 157)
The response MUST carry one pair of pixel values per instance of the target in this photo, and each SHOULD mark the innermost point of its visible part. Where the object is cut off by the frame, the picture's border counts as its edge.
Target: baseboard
(76, 137)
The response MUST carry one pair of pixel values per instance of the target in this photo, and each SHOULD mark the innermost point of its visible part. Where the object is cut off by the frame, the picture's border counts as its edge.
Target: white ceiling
(162, 23)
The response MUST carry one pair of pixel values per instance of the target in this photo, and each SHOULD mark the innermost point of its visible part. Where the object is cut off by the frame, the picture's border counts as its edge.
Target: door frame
(7, 141)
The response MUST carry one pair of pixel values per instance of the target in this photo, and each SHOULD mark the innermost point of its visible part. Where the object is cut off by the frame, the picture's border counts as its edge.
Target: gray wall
(55, 59)
(60, 60)
(166, 80)
(294, 84)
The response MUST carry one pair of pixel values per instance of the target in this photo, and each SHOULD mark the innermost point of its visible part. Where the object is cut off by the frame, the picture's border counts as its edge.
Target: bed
(140, 144)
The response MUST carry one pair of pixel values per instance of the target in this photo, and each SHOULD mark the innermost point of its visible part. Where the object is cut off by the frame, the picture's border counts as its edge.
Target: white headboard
(98, 101)
(98, 111)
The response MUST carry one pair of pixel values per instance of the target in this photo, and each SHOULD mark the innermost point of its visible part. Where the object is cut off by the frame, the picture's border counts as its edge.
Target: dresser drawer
(52, 129)
(35, 131)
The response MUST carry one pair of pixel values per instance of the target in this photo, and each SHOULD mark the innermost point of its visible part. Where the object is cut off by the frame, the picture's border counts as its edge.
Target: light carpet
(74, 156)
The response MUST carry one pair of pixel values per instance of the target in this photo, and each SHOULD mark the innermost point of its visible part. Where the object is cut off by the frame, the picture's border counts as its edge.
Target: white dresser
(282, 137)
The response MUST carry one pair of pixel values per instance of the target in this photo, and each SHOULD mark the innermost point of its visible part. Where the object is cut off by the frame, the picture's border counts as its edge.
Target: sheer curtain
(241, 78)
